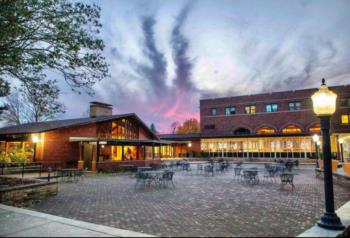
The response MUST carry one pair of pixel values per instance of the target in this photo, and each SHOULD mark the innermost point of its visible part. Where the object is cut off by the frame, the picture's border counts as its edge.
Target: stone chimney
(100, 109)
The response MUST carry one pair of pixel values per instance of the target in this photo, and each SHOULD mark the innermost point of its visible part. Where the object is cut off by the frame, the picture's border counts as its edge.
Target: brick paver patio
(197, 206)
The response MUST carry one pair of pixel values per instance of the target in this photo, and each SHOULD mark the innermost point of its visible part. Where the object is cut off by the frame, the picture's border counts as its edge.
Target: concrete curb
(104, 230)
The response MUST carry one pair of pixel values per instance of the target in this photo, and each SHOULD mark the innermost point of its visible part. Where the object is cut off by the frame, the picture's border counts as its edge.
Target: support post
(329, 219)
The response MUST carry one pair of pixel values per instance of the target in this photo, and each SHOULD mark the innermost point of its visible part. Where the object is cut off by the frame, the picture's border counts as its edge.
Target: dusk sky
(166, 55)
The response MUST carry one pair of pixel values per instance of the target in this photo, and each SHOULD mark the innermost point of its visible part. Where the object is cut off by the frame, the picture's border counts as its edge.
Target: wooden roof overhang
(111, 141)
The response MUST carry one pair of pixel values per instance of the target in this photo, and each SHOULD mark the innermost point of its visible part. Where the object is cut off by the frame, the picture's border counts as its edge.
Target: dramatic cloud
(166, 55)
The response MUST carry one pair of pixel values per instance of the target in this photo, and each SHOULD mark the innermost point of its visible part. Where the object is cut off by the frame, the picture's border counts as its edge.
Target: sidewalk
(18, 222)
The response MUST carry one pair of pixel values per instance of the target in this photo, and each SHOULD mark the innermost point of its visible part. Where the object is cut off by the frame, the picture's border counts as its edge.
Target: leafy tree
(39, 36)
(189, 126)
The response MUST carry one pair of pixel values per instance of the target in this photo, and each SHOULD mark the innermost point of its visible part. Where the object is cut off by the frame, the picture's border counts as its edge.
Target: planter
(346, 168)
(334, 165)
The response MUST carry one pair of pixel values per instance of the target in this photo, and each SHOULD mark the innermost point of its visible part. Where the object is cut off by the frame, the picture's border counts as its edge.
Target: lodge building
(102, 141)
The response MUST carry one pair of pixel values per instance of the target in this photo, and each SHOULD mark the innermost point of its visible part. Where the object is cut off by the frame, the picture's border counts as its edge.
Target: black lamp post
(324, 104)
(341, 141)
(316, 139)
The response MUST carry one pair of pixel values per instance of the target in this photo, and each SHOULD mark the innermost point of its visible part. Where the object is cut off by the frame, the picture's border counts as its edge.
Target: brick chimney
(100, 109)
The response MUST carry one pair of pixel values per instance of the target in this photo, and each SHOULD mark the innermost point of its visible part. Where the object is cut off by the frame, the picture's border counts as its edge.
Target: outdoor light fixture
(324, 105)
(35, 138)
(189, 144)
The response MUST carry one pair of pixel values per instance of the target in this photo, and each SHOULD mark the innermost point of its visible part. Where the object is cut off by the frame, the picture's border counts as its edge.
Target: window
(209, 127)
(271, 107)
(265, 130)
(291, 129)
(345, 102)
(345, 119)
(315, 128)
(249, 109)
(241, 131)
(293, 106)
(230, 111)
(213, 111)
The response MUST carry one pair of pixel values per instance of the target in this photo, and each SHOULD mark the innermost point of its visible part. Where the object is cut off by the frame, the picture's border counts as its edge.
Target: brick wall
(303, 118)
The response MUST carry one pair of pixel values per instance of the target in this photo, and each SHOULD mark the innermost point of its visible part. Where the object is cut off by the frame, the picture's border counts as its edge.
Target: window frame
(213, 109)
(250, 111)
(271, 105)
(347, 116)
(292, 106)
(345, 102)
(230, 111)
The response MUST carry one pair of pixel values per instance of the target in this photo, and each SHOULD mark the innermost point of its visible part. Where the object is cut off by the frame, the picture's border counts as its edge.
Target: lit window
(291, 129)
(230, 111)
(345, 119)
(315, 128)
(249, 109)
(265, 130)
(345, 102)
(213, 111)
(293, 106)
(271, 107)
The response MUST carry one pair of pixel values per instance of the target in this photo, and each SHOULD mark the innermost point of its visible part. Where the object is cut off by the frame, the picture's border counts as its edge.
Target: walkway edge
(80, 224)
(344, 214)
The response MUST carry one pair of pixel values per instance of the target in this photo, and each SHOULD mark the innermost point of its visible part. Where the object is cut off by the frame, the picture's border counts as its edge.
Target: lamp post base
(330, 221)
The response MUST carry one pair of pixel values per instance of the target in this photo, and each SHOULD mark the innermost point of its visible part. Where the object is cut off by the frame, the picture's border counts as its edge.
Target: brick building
(273, 125)
(102, 140)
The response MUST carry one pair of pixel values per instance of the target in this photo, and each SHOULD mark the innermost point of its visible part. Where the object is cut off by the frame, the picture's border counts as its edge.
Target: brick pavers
(197, 206)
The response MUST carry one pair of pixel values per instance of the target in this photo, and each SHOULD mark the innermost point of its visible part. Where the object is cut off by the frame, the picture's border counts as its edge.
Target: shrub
(18, 156)
(4, 158)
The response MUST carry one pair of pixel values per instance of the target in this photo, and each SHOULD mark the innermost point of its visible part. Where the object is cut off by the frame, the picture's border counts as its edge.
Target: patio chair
(200, 168)
(142, 178)
(167, 178)
(237, 173)
(209, 169)
(270, 174)
(287, 179)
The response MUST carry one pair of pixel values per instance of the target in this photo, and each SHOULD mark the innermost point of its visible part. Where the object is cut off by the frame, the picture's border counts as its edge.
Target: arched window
(291, 129)
(241, 131)
(315, 128)
(266, 130)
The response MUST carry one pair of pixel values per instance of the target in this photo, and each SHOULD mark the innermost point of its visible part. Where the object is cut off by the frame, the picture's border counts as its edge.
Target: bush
(4, 158)
(16, 156)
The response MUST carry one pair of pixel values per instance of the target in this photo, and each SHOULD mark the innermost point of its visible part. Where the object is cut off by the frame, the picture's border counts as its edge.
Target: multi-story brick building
(278, 124)
(273, 125)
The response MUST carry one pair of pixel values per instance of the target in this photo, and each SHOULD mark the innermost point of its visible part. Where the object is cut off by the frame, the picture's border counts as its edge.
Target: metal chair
(287, 178)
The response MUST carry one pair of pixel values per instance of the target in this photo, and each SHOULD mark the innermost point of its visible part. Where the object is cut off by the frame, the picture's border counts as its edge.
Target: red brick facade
(303, 118)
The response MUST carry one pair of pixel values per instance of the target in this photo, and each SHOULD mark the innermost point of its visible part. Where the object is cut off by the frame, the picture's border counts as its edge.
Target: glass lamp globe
(324, 101)
(341, 140)
(315, 138)
(35, 138)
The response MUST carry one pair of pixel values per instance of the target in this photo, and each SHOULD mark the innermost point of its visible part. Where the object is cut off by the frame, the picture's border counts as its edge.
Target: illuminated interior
(265, 130)
(291, 129)
(315, 128)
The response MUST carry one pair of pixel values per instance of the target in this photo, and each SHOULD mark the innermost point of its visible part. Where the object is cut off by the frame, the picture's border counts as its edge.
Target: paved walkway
(17, 222)
(197, 206)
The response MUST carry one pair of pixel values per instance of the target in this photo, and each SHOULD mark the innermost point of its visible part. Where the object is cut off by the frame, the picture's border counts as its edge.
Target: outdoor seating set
(146, 176)
(69, 174)
(270, 173)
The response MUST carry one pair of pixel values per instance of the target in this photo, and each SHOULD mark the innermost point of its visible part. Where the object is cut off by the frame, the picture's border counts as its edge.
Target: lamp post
(316, 139)
(341, 142)
(324, 105)
(35, 140)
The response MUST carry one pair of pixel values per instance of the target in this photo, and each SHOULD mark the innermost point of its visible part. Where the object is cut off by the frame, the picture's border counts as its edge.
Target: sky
(165, 56)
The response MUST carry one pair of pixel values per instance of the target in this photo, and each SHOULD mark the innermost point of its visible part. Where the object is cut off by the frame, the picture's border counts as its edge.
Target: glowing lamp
(189, 144)
(341, 140)
(315, 138)
(324, 101)
(35, 138)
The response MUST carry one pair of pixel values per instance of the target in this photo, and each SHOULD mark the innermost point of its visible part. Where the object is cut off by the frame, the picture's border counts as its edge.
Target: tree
(35, 103)
(189, 126)
(38, 36)
(14, 109)
(153, 128)
(174, 126)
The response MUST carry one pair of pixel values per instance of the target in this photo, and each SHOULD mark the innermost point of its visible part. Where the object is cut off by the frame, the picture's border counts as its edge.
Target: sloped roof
(57, 124)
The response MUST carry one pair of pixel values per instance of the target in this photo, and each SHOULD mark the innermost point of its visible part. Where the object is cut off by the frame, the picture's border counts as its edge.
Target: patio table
(153, 175)
(251, 176)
